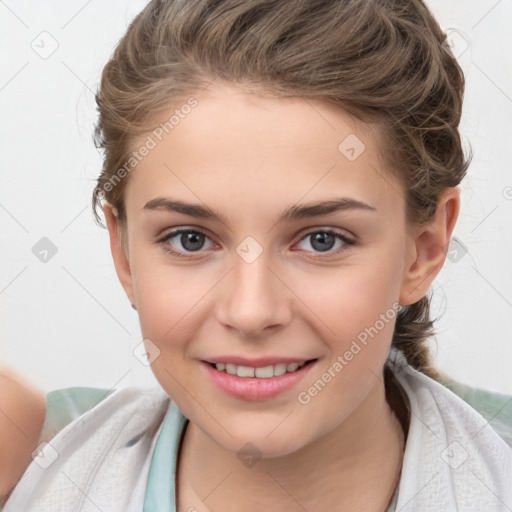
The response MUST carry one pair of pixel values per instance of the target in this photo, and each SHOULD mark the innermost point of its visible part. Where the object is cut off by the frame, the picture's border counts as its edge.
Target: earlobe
(429, 248)
(119, 254)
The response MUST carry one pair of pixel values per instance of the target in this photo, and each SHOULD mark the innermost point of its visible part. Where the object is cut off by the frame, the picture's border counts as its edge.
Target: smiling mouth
(265, 372)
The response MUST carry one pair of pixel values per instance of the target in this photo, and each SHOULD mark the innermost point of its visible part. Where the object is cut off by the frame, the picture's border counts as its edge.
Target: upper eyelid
(177, 231)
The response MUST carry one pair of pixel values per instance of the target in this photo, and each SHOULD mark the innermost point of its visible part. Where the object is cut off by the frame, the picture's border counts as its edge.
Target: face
(257, 287)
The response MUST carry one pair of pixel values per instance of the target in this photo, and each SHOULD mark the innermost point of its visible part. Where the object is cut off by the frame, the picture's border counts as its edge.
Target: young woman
(280, 188)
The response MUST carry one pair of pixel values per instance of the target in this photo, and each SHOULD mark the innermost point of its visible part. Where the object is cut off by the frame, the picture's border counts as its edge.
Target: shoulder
(112, 435)
(22, 412)
(65, 405)
(495, 407)
(456, 442)
(457, 397)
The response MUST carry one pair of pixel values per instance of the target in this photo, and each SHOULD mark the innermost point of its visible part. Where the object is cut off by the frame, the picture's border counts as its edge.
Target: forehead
(250, 151)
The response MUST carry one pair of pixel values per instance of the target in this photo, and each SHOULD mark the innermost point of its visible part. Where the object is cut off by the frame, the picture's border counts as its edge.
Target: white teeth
(265, 372)
(245, 371)
(291, 367)
(279, 369)
(231, 369)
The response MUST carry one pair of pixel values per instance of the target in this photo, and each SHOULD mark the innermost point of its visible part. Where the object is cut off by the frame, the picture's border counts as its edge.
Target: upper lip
(258, 362)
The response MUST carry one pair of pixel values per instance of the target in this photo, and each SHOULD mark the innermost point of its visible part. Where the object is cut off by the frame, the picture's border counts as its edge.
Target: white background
(67, 322)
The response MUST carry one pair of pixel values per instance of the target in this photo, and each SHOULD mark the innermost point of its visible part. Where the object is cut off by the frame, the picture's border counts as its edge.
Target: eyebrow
(293, 213)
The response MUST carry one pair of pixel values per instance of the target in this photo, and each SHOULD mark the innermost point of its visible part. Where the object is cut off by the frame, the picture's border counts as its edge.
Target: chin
(262, 448)
(257, 442)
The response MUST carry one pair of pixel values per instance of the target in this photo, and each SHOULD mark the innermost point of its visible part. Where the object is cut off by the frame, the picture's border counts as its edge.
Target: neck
(354, 467)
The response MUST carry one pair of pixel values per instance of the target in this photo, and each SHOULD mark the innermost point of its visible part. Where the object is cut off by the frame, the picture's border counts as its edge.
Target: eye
(324, 240)
(191, 240)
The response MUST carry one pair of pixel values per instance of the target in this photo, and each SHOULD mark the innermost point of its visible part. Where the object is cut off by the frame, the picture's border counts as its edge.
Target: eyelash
(347, 241)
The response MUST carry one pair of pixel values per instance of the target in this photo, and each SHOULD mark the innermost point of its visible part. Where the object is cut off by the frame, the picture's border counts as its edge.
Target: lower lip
(252, 388)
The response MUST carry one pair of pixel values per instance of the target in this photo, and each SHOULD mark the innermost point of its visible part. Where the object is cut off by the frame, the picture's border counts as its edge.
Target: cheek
(356, 324)
(170, 300)
(357, 307)
(169, 311)
(348, 299)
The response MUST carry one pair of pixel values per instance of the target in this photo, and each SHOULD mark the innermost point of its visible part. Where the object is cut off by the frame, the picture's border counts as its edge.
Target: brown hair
(383, 62)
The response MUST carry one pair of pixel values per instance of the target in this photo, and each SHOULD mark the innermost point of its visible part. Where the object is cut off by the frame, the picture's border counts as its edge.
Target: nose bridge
(254, 298)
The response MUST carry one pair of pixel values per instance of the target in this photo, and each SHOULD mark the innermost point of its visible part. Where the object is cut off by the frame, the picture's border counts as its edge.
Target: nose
(254, 298)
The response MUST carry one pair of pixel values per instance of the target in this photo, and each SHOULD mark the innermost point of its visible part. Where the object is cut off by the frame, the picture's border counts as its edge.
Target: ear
(119, 253)
(429, 246)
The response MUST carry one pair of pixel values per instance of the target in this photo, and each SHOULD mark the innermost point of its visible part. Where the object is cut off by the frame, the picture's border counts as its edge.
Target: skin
(22, 413)
(249, 157)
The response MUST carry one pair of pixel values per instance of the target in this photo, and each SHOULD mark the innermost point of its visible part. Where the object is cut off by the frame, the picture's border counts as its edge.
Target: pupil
(321, 237)
(190, 241)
